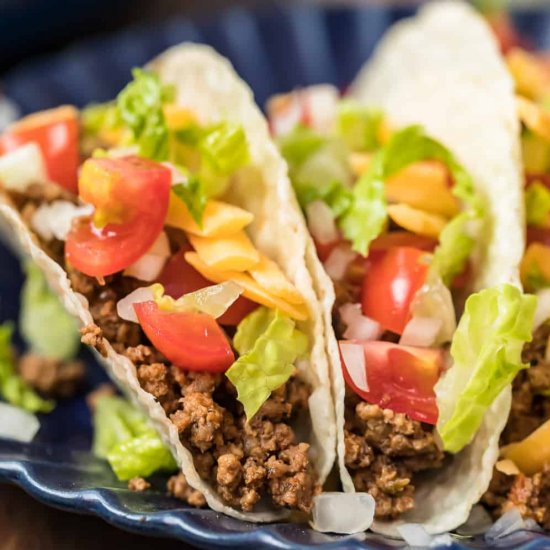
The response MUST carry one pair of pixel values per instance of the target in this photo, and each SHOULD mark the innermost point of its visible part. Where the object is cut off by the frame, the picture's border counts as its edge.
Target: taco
(402, 182)
(166, 224)
(522, 477)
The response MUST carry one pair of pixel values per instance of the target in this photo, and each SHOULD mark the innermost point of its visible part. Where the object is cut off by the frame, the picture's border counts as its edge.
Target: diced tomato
(56, 133)
(192, 341)
(179, 278)
(541, 178)
(391, 281)
(400, 378)
(461, 280)
(130, 190)
(403, 238)
(538, 235)
(505, 32)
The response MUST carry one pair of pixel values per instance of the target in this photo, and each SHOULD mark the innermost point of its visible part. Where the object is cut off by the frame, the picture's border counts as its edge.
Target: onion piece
(421, 332)
(354, 363)
(416, 536)
(507, 524)
(125, 306)
(23, 166)
(321, 222)
(542, 313)
(342, 513)
(214, 300)
(149, 266)
(434, 300)
(321, 106)
(55, 219)
(18, 424)
(285, 112)
(337, 263)
(359, 326)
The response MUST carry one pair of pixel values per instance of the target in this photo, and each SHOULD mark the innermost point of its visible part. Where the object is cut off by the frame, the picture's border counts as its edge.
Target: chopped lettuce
(100, 116)
(359, 126)
(12, 387)
(537, 204)
(140, 108)
(486, 350)
(299, 144)
(367, 215)
(191, 193)
(44, 323)
(123, 436)
(268, 344)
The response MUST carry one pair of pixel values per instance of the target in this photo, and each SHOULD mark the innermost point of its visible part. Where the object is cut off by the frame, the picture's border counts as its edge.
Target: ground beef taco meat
(530, 409)
(243, 461)
(384, 450)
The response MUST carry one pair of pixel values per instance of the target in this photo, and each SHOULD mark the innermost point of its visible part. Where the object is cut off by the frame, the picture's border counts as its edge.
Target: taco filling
(395, 218)
(137, 217)
(522, 477)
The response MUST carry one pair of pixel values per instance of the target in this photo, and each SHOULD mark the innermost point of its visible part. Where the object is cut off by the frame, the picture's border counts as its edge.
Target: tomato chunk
(400, 378)
(391, 281)
(192, 341)
(56, 133)
(131, 197)
(178, 278)
(538, 235)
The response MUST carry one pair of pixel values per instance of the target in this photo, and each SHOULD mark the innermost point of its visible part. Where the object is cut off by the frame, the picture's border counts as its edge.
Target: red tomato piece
(505, 32)
(136, 187)
(391, 281)
(192, 341)
(402, 238)
(541, 178)
(179, 278)
(400, 378)
(56, 133)
(325, 250)
(538, 235)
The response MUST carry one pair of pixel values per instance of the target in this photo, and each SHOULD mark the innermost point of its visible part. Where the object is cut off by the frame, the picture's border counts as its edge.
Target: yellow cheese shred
(417, 221)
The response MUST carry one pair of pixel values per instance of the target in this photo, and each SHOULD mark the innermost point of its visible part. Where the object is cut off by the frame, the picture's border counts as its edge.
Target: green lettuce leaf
(191, 193)
(139, 106)
(537, 204)
(298, 145)
(100, 116)
(359, 125)
(123, 436)
(12, 387)
(268, 344)
(44, 323)
(486, 351)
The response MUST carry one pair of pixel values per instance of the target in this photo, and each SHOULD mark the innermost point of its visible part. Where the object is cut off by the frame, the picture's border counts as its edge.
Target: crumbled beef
(51, 377)
(178, 487)
(530, 407)
(384, 450)
(92, 336)
(529, 494)
(138, 484)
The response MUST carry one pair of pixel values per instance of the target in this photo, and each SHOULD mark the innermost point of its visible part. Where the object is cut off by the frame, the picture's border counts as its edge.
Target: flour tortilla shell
(207, 84)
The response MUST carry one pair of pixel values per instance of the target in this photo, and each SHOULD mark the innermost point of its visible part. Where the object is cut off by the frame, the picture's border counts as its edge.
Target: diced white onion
(508, 523)
(321, 223)
(55, 219)
(354, 362)
(322, 106)
(214, 300)
(477, 523)
(342, 513)
(125, 306)
(18, 424)
(359, 327)
(434, 301)
(542, 313)
(337, 263)
(416, 536)
(149, 266)
(177, 175)
(421, 332)
(23, 166)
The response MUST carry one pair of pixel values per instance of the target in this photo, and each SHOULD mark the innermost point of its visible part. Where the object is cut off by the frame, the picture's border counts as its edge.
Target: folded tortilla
(207, 85)
(442, 70)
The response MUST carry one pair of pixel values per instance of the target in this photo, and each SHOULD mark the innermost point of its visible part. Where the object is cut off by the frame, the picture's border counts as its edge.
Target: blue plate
(273, 51)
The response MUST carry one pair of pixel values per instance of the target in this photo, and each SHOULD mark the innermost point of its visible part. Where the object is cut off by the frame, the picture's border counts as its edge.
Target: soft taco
(409, 186)
(166, 223)
(522, 477)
